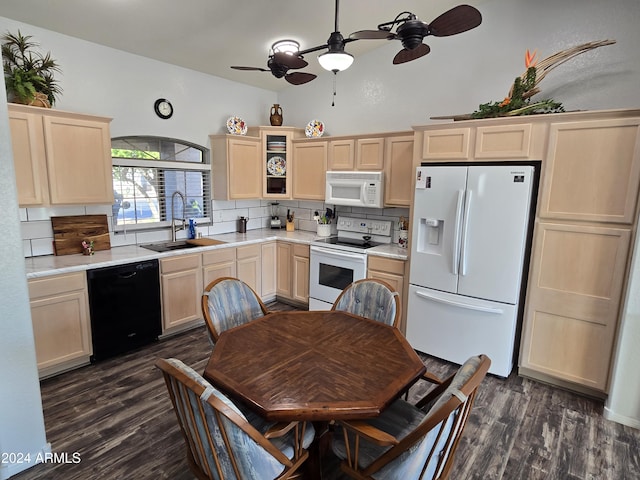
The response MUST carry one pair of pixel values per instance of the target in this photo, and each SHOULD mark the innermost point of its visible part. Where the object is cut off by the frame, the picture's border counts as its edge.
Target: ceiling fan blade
(404, 55)
(289, 60)
(298, 78)
(372, 35)
(457, 20)
(235, 67)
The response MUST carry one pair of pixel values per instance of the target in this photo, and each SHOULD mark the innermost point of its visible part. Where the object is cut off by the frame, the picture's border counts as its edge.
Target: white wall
(21, 420)
(479, 66)
(104, 81)
(623, 404)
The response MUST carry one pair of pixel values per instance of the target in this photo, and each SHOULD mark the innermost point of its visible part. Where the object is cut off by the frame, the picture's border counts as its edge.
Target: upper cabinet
(236, 167)
(593, 171)
(370, 153)
(60, 158)
(342, 154)
(398, 170)
(484, 142)
(277, 160)
(309, 168)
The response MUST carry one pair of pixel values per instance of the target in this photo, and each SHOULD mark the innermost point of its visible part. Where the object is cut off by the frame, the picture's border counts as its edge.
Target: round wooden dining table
(316, 366)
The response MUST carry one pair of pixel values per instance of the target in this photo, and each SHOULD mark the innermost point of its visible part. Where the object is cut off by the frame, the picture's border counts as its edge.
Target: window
(147, 174)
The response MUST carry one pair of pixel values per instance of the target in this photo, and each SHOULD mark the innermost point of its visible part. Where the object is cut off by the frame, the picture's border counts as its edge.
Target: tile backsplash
(37, 233)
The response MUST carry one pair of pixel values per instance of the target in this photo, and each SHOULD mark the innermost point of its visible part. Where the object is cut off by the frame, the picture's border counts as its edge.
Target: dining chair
(370, 298)
(228, 302)
(412, 441)
(225, 442)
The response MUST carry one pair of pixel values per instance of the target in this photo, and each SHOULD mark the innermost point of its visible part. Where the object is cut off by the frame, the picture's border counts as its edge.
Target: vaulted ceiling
(211, 35)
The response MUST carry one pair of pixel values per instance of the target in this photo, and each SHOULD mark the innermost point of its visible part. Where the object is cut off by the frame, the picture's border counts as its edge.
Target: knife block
(290, 226)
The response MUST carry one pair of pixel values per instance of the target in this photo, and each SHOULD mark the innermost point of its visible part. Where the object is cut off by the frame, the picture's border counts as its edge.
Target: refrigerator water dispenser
(430, 235)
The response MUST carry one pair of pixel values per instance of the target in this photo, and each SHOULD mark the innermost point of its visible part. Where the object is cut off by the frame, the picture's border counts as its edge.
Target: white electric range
(337, 261)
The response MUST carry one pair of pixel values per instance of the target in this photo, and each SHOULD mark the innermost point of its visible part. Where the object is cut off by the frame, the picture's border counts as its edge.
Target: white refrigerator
(469, 234)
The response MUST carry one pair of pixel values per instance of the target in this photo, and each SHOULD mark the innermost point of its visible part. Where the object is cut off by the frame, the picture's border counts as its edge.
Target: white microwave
(355, 189)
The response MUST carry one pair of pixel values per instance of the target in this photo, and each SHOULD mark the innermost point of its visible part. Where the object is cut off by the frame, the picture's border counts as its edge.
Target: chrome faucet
(183, 220)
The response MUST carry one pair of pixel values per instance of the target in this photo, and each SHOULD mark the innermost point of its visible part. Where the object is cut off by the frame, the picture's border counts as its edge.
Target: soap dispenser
(192, 229)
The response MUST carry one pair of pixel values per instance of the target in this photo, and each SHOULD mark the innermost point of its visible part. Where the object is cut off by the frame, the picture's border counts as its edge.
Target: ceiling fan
(411, 31)
(280, 63)
(334, 59)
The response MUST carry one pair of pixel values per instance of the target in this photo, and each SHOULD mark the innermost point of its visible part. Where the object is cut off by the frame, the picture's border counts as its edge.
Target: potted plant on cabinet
(28, 75)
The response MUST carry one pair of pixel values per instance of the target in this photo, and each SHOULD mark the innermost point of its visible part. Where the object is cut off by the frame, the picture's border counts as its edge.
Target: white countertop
(54, 264)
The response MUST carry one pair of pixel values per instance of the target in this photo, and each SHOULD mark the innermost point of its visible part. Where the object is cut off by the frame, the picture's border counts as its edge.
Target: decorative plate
(277, 166)
(236, 126)
(315, 128)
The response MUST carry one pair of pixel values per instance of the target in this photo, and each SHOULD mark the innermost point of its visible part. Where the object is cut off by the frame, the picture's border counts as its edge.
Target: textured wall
(21, 420)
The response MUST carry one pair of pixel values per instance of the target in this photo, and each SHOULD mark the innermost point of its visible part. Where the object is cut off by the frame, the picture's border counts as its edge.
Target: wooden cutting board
(70, 231)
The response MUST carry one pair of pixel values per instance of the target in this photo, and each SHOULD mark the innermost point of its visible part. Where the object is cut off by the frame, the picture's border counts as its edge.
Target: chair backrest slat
(370, 298)
(221, 442)
(441, 427)
(228, 302)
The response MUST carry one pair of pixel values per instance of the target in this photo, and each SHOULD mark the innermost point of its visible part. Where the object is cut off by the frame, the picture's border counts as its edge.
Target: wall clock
(163, 108)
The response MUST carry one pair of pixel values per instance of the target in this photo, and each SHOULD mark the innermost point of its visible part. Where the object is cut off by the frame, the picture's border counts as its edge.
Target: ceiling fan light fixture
(335, 61)
(285, 46)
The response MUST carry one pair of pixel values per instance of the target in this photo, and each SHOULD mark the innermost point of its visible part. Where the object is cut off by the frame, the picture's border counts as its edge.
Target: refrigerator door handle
(456, 234)
(469, 306)
(465, 232)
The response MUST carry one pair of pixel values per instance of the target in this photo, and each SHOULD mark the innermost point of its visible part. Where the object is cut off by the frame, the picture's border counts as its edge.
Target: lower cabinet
(392, 271)
(61, 326)
(284, 270)
(573, 298)
(218, 263)
(293, 272)
(300, 280)
(269, 253)
(181, 286)
(249, 266)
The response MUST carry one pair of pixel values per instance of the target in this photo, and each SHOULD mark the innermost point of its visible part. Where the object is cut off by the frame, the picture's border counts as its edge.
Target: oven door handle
(334, 253)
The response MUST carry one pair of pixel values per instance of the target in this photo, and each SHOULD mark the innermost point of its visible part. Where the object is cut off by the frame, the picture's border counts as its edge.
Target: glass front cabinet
(278, 160)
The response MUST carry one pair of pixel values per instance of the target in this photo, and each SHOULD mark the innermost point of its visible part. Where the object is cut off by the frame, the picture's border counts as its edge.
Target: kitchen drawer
(389, 265)
(176, 264)
(300, 250)
(45, 287)
(219, 256)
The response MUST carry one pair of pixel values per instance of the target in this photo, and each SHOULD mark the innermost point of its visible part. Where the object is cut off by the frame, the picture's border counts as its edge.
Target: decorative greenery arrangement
(28, 75)
(518, 102)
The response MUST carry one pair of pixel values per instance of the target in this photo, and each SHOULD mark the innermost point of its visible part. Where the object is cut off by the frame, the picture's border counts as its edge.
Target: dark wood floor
(116, 415)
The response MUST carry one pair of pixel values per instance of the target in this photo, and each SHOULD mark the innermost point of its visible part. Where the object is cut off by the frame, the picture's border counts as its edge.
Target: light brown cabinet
(342, 154)
(249, 265)
(573, 301)
(392, 271)
(398, 170)
(218, 263)
(309, 169)
(60, 158)
(483, 140)
(236, 167)
(276, 159)
(300, 277)
(181, 287)
(370, 153)
(268, 267)
(61, 325)
(293, 272)
(586, 218)
(592, 171)
(284, 269)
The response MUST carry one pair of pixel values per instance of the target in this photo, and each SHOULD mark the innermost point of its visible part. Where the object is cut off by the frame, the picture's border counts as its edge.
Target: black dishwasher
(124, 302)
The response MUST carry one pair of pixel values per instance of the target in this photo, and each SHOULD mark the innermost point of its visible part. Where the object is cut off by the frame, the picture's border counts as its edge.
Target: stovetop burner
(350, 242)
(358, 234)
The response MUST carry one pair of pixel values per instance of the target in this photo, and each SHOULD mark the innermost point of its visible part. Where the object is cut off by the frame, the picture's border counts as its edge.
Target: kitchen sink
(181, 244)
